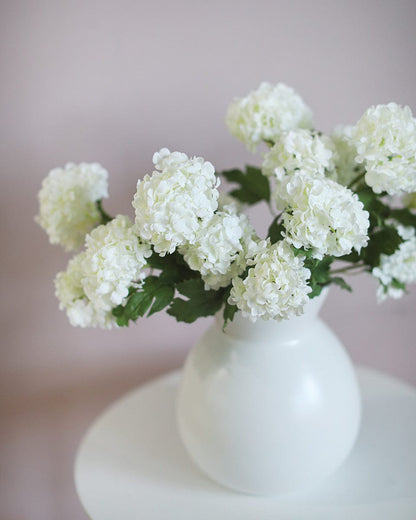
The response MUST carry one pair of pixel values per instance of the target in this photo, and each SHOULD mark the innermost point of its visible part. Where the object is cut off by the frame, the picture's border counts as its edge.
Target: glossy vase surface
(271, 407)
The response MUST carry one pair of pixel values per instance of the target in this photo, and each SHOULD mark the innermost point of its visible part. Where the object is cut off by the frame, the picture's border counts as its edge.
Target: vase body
(269, 407)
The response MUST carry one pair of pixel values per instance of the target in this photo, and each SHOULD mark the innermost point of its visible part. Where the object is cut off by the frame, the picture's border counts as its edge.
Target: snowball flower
(222, 247)
(299, 149)
(115, 261)
(276, 285)
(385, 138)
(398, 268)
(265, 113)
(70, 292)
(99, 278)
(67, 203)
(347, 168)
(171, 203)
(322, 215)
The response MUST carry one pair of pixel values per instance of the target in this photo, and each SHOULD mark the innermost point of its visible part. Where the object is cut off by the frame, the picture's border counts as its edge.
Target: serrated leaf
(320, 274)
(353, 257)
(397, 285)
(319, 268)
(404, 216)
(385, 241)
(163, 296)
(299, 251)
(229, 313)
(377, 209)
(316, 290)
(193, 288)
(275, 230)
(200, 302)
(337, 280)
(137, 305)
(155, 261)
(254, 186)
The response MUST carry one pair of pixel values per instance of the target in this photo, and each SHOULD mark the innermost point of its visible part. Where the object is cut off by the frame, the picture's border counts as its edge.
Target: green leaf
(153, 295)
(229, 313)
(163, 297)
(337, 280)
(377, 209)
(397, 285)
(404, 216)
(155, 261)
(275, 230)
(320, 275)
(316, 290)
(320, 270)
(353, 257)
(137, 304)
(200, 302)
(307, 253)
(254, 186)
(385, 241)
(173, 268)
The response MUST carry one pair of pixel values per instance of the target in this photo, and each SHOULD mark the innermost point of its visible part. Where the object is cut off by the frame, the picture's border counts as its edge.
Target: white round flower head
(70, 292)
(322, 215)
(222, 248)
(347, 168)
(398, 268)
(385, 138)
(99, 278)
(275, 287)
(171, 204)
(299, 149)
(265, 113)
(115, 258)
(67, 203)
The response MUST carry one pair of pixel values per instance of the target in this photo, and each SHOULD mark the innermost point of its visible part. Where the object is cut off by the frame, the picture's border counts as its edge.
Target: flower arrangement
(347, 197)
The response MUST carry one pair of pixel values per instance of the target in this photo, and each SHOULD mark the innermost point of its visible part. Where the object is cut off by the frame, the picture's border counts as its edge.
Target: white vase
(271, 407)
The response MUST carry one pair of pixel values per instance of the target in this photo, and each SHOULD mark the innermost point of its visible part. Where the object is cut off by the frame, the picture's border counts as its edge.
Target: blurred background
(113, 82)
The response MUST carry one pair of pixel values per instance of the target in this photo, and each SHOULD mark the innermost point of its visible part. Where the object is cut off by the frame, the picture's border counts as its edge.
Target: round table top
(131, 464)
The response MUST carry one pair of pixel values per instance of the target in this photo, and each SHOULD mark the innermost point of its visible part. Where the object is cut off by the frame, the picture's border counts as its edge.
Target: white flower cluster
(385, 138)
(275, 287)
(321, 215)
(346, 167)
(99, 278)
(265, 113)
(299, 149)
(171, 203)
(222, 247)
(67, 203)
(399, 267)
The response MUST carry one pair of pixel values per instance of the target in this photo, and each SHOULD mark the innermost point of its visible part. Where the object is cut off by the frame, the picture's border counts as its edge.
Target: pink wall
(114, 82)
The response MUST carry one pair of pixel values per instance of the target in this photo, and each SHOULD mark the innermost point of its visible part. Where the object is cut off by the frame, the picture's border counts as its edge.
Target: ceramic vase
(271, 407)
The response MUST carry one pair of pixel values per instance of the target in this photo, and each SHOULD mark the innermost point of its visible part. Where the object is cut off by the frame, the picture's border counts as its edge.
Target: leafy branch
(158, 292)
(253, 185)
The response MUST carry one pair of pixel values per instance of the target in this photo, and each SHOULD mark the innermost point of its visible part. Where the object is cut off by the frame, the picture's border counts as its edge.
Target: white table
(131, 465)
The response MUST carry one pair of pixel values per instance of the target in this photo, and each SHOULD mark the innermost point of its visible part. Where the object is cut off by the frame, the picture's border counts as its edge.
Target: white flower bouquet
(347, 197)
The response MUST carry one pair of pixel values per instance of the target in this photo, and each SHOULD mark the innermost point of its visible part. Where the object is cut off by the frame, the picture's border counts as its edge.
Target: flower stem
(347, 268)
(105, 217)
(357, 179)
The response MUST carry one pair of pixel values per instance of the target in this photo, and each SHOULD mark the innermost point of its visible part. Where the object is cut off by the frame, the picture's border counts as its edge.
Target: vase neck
(243, 328)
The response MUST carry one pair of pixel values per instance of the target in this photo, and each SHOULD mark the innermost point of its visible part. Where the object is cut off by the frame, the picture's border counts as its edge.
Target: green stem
(357, 179)
(347, 268)
(105, 217)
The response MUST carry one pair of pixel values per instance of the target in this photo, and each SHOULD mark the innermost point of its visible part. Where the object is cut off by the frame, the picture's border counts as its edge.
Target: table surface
(131, 464)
